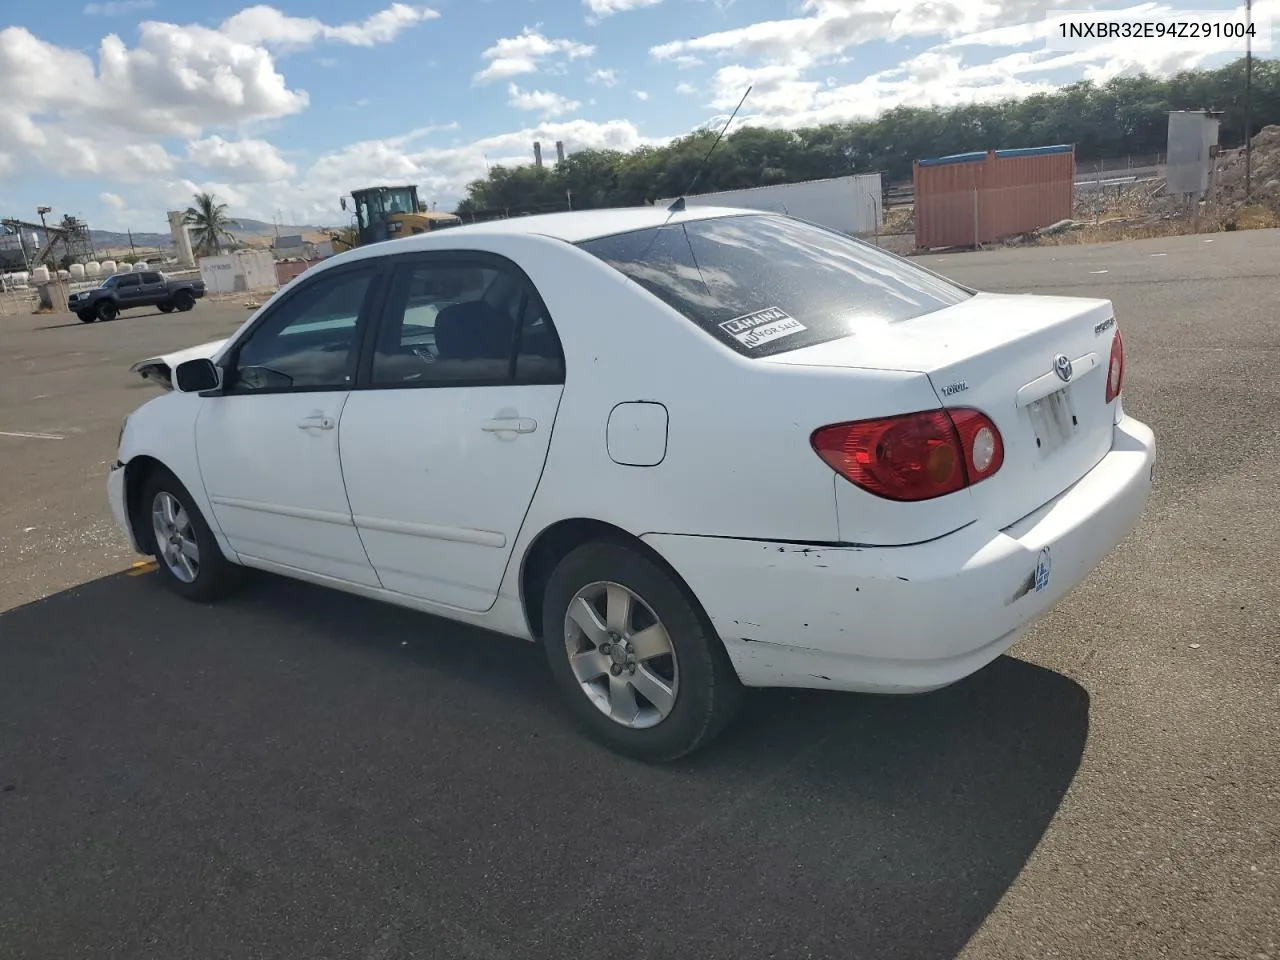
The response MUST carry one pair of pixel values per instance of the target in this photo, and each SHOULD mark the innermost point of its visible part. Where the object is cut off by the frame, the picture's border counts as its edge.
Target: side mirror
(196, 376)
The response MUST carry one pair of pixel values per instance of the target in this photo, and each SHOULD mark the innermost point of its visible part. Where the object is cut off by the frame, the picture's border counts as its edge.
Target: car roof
(570, 226)
(579, 225)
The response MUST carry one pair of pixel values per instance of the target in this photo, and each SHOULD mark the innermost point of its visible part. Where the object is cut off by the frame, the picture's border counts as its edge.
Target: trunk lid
(998, 353)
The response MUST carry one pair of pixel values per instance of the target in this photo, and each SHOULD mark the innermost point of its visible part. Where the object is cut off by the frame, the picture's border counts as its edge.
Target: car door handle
(510, 425)
(317, 421)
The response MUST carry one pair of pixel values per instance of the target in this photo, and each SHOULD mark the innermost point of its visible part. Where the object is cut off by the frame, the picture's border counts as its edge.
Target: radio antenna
(678, 205)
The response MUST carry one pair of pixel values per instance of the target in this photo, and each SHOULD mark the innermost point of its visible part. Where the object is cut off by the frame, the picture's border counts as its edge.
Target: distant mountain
(109, 240)
(244, 229)
(259, 228)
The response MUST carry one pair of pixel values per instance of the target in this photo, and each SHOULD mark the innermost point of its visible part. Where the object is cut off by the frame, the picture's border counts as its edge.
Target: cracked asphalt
(297, 773)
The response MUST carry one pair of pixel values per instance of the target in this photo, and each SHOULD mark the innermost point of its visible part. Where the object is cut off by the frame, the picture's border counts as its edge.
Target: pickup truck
(127, 291)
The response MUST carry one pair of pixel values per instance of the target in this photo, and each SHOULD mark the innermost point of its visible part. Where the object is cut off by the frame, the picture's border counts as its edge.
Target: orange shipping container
(286, 270)
(974, 198)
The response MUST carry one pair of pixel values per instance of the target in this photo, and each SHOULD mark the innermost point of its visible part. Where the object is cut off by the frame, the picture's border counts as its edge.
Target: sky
(118, 110)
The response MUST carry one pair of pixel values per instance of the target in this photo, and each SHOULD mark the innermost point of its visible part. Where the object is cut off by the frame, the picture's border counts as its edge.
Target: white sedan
(687, 452)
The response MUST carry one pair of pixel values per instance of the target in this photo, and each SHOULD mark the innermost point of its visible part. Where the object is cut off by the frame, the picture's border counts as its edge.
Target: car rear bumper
(119, 508)
(916, 618)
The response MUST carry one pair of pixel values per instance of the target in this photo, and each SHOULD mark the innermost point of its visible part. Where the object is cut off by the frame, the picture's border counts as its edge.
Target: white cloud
(686, 89)
(542, 101)
(513, 56)
(114, 8)
(113, 200)
(248, 161)
(607, 8)
(266, 26)
(832, 26)
(83, 158)
(178, 195)
(642, 95)
(780, 59)
(608, 77)
(180, 80)
(59, 106)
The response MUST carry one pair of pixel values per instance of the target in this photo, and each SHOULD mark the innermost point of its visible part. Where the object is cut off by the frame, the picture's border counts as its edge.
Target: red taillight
(916, 456)
(1115, 369)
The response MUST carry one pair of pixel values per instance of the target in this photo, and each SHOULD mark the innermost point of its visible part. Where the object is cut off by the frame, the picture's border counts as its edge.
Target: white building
(852, 204)
(238, 272)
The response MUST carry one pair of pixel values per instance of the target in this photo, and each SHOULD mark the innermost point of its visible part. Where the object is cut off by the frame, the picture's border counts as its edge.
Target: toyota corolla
(688, 452)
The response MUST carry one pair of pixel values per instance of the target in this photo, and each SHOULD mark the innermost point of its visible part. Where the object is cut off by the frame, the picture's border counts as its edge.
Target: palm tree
(210, 220)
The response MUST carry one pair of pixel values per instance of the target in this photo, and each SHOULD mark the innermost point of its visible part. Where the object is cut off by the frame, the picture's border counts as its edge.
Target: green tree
(211, 224)
(1124, 116)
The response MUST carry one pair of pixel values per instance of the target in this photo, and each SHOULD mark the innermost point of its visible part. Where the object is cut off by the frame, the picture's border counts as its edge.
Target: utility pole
(47, 245)
(132, 251)
(26, 257)
(1248, 102)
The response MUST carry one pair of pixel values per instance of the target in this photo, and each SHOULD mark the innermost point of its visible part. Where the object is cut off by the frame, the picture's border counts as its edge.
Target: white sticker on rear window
(761, 327)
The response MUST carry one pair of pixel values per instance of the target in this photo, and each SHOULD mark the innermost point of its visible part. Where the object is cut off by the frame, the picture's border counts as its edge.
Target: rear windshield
(767, 284)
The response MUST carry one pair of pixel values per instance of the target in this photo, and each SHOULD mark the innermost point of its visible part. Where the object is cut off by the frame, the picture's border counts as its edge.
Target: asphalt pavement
(297, 773)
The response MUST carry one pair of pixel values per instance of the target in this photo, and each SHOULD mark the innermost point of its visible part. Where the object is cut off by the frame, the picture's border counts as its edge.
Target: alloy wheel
(175, 537)
(621, 655)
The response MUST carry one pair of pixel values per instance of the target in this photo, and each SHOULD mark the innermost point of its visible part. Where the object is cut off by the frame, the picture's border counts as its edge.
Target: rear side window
(765, 284)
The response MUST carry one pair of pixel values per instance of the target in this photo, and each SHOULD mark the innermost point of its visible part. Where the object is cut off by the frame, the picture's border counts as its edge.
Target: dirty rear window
(764, 284)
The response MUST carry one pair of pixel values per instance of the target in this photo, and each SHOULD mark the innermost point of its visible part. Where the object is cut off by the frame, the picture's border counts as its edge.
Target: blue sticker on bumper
(1042, 570)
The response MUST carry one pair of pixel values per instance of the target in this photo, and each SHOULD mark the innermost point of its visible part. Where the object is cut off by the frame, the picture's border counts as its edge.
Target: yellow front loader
(387, 213)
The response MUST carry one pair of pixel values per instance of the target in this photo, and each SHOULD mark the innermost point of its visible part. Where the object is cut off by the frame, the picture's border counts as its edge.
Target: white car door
(444, 440)
(268, 445)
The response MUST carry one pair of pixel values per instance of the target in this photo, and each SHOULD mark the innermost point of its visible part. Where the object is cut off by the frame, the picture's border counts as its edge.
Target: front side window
(457, 322)
(151, 278)
(765, 284)
(309, 341)
(130, 280)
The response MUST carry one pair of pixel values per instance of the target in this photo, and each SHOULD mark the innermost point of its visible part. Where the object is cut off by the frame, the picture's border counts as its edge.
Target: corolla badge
(1062, 367)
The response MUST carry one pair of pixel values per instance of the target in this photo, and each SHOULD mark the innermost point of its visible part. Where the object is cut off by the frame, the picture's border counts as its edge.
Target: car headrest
(473, 331)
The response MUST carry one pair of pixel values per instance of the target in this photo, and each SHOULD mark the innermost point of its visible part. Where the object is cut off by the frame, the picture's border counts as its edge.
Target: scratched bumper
(910, 619)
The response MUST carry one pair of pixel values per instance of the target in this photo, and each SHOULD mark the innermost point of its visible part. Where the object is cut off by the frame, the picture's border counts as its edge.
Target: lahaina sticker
(761, 327)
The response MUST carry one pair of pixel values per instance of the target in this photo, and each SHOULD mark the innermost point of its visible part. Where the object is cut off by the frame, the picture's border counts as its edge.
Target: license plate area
(1054, 421)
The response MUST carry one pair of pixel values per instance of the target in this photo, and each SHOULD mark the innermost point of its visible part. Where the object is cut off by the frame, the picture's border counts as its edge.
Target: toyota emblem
(1062, 367)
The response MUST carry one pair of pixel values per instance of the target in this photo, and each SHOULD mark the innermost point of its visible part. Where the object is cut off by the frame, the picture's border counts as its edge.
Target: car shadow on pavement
(75, 322)
(300, 773)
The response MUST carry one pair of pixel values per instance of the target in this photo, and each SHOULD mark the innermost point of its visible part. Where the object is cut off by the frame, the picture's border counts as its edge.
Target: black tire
(183, 300)
(708, 692)
(215, 576)
(86, 316)
(165, 307)
(107, 311)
